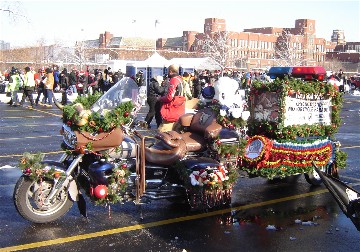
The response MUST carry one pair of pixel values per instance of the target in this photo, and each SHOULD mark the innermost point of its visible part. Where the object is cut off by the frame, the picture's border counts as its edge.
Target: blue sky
(66, 21)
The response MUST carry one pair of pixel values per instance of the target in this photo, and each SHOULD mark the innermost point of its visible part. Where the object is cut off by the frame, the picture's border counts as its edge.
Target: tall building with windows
(338, 37)
(4, 45)
(258, 47)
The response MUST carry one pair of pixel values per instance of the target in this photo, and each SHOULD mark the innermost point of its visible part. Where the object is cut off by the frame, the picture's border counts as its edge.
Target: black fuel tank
(200, 163)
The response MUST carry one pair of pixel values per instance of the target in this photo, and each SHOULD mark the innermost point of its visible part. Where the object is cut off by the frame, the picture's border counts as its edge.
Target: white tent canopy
(196, 63)
(156, 60)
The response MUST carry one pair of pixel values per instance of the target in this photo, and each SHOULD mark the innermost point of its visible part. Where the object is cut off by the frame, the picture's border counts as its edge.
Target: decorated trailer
(292, 124)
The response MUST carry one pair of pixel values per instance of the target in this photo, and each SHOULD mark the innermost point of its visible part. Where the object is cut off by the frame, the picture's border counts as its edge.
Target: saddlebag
(101, 141)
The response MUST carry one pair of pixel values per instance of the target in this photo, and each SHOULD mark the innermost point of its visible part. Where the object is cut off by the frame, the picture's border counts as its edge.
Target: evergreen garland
(94, 121)
(117, 184)
(284, 87)
(32, 165)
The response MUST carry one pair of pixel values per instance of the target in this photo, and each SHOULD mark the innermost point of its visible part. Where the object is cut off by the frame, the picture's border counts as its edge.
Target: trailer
(292, 124)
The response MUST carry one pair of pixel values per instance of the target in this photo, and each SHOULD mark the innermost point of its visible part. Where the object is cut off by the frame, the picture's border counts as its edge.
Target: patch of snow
(7, 167)
(270, 227)
(307, 223)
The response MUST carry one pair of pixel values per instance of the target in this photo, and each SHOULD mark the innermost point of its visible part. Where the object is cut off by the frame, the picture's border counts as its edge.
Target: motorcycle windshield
(124, 90)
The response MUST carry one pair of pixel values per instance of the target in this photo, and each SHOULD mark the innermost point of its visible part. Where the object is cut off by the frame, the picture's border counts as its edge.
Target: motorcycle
(109, 159)
(197, 163)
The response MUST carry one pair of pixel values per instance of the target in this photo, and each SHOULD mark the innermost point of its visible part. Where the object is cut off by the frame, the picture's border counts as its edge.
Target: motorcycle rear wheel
(29, 199)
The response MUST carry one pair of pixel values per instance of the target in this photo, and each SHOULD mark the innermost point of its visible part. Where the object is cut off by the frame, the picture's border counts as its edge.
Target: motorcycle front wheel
(30, 201)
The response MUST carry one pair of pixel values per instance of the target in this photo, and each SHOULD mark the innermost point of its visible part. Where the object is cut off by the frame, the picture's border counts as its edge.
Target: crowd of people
(163, 89)
(160, 90)
(47, 80)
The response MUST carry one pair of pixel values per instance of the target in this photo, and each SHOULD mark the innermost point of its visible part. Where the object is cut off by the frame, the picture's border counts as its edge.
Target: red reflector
(321, 77)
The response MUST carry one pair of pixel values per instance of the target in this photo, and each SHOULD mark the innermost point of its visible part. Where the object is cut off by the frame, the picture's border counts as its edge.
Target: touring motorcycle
(285, 127)
(108, 159)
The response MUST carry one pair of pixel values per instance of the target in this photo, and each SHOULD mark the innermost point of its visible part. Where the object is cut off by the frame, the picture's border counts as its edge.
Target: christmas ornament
(101, 191)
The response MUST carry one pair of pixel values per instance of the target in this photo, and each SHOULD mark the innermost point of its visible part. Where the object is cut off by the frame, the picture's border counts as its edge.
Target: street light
(81, 49)
(156, 22)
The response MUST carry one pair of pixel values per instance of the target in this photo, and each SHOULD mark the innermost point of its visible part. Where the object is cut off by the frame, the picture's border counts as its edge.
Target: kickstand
(140, 209)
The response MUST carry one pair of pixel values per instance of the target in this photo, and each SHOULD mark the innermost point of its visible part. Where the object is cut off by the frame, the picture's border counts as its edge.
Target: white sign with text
(307, 110)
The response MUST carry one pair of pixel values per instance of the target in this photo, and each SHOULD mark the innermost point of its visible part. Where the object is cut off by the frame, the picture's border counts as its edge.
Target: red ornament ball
(100, 191)
(126, 114)
(27, 171)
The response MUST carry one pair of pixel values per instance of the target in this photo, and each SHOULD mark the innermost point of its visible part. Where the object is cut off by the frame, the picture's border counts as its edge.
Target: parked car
(355, 81)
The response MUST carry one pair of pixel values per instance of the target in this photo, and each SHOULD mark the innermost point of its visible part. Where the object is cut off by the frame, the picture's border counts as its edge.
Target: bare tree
(218, 47)
(14, 11)
(289, 50)
(84, 52)
(80, 53)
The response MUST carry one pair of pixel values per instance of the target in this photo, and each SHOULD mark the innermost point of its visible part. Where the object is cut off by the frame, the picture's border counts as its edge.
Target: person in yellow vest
(14, 86)
(28, 87)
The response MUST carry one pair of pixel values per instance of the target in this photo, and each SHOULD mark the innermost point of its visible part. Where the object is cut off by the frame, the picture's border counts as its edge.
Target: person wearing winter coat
(28, 87)
(187, 86)
(174, 88)
(73, 81)
(196, 86)
(56, 78)
(64, 85)
(14, 86)
(155, 91)
(139, 78)
(82, 84)
(49, 86)
(39, 77)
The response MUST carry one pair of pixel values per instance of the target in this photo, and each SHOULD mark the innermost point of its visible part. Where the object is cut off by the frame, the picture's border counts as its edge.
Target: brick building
(345, 52)
(253, 48)
(258, 47)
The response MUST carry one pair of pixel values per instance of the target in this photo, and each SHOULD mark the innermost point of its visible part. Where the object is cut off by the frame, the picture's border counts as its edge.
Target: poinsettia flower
(245, 115)
(236, 112)
(194, 176)
(222, 112)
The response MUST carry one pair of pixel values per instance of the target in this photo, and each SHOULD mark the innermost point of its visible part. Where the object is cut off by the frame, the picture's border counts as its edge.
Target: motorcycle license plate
(69, 136)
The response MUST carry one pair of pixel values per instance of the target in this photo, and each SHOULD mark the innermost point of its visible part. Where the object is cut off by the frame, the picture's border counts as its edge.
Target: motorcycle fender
(73, 191)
